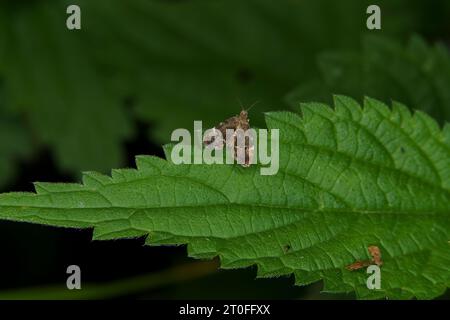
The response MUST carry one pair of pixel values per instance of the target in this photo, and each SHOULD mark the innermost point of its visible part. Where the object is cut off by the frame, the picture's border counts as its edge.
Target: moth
(375, 252)
(245, 152)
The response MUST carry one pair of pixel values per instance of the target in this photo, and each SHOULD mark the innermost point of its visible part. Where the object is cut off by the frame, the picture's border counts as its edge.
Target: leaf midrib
(415, 213)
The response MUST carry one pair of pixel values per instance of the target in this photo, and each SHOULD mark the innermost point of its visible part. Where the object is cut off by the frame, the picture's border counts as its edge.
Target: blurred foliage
(118, 288)
(15, 145)
(415, 74)
(51, 78)
(171, 61)
(194, 59)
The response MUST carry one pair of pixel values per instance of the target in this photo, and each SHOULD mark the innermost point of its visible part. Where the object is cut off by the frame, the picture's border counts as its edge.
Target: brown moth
(375, 252)
(242, 122)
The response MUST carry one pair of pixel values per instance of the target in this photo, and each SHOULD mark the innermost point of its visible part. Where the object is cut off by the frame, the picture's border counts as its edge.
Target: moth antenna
(254, 104)
(240, 103)
(242, 106)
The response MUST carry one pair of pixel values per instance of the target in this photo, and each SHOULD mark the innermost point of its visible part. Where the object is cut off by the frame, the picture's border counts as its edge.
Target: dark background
(92, 99)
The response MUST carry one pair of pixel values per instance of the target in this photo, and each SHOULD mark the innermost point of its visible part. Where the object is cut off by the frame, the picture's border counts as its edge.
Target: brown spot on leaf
(375, 252)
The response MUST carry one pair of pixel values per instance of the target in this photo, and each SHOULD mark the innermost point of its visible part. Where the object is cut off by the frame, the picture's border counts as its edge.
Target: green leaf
(349, 178)
(416, 74)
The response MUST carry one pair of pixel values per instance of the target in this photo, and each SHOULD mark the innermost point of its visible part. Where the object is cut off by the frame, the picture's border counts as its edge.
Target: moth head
(244, 112)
